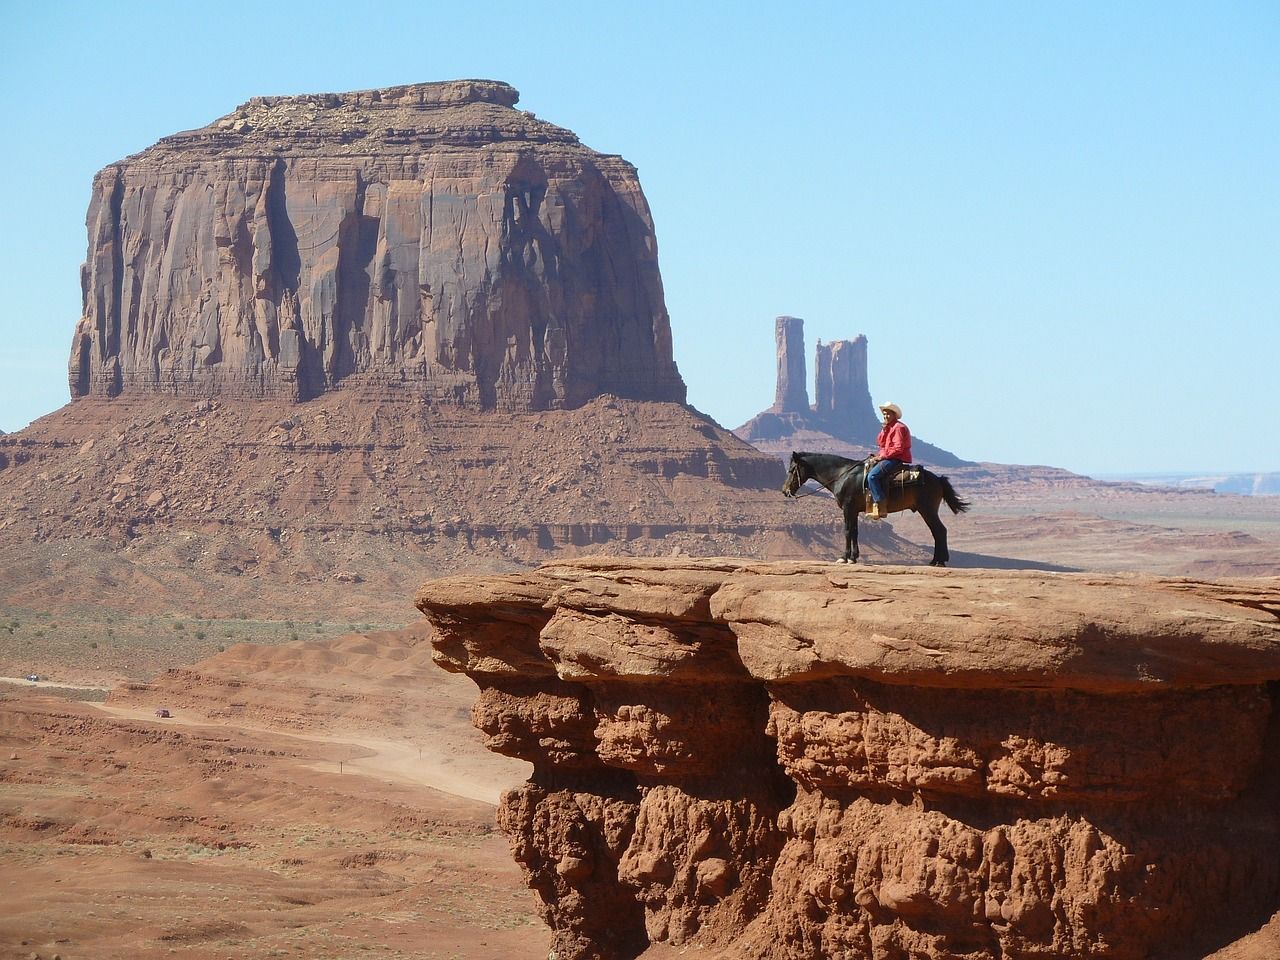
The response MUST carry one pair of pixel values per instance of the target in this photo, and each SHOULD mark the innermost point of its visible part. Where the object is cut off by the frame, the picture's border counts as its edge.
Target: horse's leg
(929, 511)
(851, 531)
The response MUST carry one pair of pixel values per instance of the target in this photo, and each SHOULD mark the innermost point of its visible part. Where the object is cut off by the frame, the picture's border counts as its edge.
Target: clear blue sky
(1058, 225)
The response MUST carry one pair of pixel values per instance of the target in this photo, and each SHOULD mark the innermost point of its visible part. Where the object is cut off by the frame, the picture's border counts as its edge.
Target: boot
(877, 511)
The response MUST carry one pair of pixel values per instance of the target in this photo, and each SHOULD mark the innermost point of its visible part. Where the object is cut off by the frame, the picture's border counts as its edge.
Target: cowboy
(894, 443)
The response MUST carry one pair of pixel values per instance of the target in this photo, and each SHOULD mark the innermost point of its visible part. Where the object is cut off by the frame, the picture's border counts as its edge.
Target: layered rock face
(428, 235)
(797, 761)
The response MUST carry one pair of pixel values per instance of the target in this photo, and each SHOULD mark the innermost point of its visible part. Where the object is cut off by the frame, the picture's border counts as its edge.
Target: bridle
(821, 489)
(812, 493)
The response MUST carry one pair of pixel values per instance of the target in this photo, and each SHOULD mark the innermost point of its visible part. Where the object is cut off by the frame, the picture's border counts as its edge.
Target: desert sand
(288, 834)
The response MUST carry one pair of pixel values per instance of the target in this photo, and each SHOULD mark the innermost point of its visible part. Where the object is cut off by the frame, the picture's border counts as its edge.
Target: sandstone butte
(794, 760)
(428, 235)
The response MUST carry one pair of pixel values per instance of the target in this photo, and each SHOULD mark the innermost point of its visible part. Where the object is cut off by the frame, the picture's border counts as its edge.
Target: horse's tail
(951, 497)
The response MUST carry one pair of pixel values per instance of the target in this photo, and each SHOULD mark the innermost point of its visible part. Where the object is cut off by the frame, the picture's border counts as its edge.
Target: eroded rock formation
(842, 420)
(428, 234)
(799, 761)
(841, 392)
(375, 494)
(792, 393)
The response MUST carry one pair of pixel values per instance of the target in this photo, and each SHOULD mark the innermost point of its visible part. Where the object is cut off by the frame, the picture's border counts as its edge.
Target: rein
(813, 493)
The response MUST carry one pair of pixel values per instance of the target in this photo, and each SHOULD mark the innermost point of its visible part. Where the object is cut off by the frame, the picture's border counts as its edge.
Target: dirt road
(388, 760)
(58, 684)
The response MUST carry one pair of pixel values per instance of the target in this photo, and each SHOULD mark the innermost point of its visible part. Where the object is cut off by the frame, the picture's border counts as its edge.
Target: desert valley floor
(317, 789)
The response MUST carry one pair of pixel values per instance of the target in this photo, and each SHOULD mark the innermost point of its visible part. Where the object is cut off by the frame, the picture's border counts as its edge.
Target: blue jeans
(876, 476)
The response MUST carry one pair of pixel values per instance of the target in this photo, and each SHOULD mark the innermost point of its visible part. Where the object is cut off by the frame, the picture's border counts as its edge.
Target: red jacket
(895, 442)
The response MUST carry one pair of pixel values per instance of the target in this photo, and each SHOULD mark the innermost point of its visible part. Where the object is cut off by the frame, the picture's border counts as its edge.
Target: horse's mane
(828, 458)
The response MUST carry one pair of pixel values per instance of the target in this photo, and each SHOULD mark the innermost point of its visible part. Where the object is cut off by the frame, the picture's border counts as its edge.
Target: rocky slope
(346, 503)
(798, 761)
(428, 235)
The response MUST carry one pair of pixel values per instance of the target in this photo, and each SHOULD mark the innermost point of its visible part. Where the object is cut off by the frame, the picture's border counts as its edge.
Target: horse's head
(796, 476)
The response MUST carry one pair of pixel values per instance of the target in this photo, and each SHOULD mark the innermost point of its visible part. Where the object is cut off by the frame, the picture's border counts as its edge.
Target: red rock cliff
(428, 234)
(798, 761)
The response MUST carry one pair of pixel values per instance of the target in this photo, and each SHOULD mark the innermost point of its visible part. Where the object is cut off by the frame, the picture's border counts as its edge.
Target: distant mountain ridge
(1262, 484)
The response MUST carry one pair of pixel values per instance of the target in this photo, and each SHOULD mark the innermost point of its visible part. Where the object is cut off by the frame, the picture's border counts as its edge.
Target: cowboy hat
(892, 408)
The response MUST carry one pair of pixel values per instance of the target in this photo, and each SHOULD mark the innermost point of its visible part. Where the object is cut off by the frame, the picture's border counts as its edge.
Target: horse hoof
(937, 563)
(843, 560)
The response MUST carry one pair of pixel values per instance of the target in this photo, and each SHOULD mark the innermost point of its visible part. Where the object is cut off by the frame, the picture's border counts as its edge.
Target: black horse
(847, 481)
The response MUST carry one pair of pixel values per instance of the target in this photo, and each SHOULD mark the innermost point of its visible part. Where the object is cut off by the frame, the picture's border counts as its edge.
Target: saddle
(905, 476)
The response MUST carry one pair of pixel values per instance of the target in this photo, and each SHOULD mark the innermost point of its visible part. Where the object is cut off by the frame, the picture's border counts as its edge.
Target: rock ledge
(803, 761)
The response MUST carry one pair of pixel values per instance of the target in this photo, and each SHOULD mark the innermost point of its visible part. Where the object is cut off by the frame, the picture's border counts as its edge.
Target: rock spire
(792, 395)
(843, 418)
